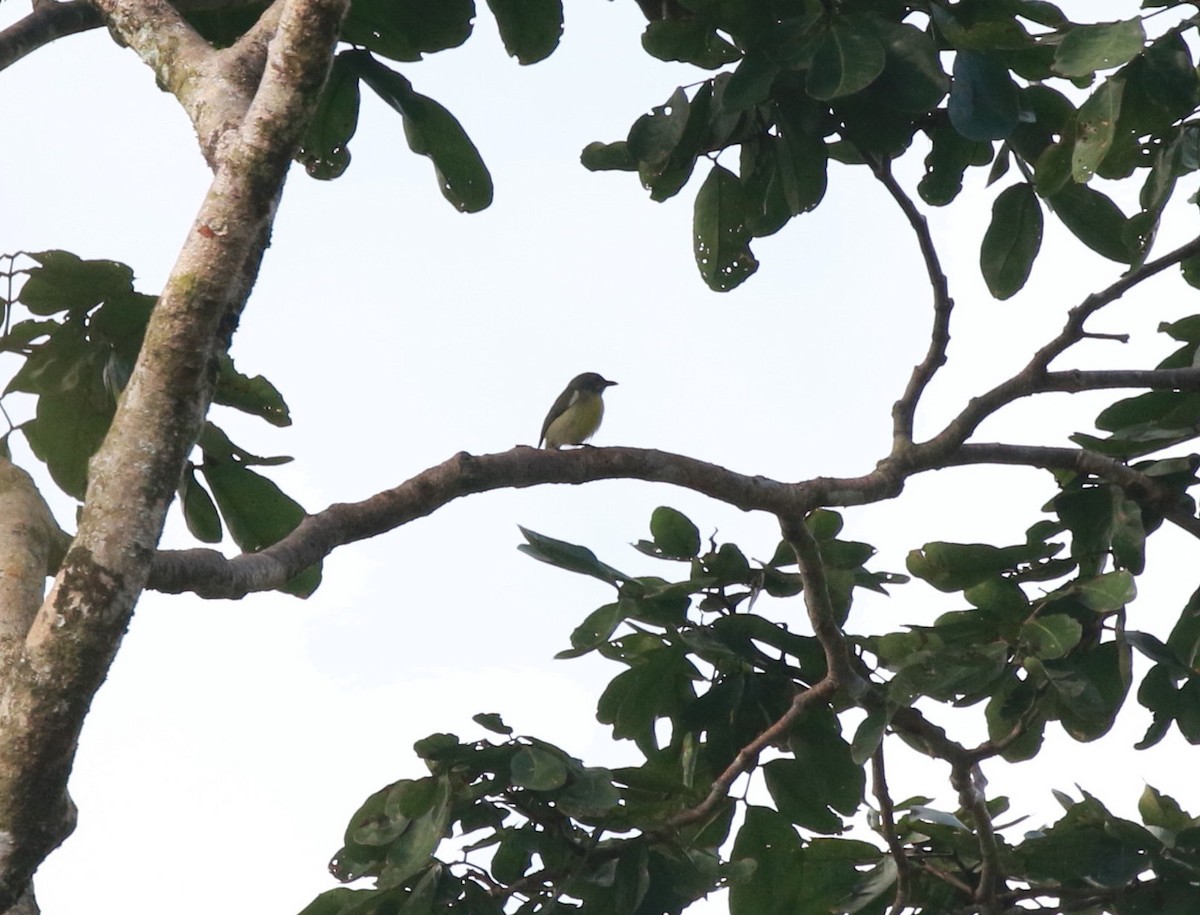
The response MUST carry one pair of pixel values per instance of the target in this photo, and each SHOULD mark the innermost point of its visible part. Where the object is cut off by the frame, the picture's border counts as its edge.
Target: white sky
(233, 740)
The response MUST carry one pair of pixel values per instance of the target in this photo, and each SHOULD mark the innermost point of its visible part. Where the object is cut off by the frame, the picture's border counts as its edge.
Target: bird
(576, 414)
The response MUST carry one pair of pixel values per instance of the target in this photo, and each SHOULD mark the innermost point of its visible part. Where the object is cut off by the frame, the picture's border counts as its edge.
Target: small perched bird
(576, 414)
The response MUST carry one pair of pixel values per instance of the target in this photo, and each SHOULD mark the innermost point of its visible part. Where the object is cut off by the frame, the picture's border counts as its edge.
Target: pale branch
(54, 19)
(904, 410)
(1028, 379)
(28, 546)
(48, 22)
(79, 626)
(1076, 380)
(887, 825)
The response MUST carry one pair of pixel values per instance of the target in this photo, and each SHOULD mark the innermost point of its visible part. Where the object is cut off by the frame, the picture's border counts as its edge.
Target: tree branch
(1029, 379)
(887, 825)
(78, 628)
(1141, 488)
(904, 410)
(51, 20)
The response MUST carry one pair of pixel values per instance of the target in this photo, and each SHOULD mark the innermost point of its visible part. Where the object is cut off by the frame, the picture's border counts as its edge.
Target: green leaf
(198, 509)
(721, 233)
(984, 103)
(1095, 128)
(948, 159)
(1051, 636)
(407, 29)
(777, 881)
(64, 282)
(1012, 240)
(1094, 219)
(255, 396)
(65, 432)
(690, 40)
(1088, 48)
(323, 148)
(801, 161)
(957, 566)
(1107, 593)
(530, 29)
(568, 556)
(1163, 811)
(601, 157)
(674, 533)
(590, 794)
(848, 59)
(258, 513)
(597, 627)
(432, 131)
(658, 687)
(493, 722)
(538, 770)
(869, 735)
(413, 851)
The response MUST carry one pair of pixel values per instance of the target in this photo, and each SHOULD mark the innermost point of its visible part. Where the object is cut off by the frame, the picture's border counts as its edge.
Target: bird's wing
(565, 399)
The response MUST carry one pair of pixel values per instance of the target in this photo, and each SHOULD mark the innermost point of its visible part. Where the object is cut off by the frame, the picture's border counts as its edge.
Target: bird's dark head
(590, 382)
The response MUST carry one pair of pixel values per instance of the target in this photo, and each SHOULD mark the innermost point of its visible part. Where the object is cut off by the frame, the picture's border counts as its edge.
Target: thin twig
(748, 755)
(904, 410)
(887, 822)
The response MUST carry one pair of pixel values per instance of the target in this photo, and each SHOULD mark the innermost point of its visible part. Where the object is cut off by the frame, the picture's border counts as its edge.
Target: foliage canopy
(1072, 120)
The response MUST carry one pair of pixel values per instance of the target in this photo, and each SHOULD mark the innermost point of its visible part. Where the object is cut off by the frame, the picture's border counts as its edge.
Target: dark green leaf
(258, 513)
(689, 40)
(1088, 48)
(407, 29)
(721, 233)
(1095, 128)
(323, 149)
(984, 103)
(848, 59)
(1107, 593)
(1094, 219)
(493, 722)
(64, 282)
(776, 882)
(198, 509)
(1051, 636)
(432, 131)
(1012, 240)
(538, 770)
(600, 157)
(255, 396)
(530, 29)
(568, 556)
(674, 533)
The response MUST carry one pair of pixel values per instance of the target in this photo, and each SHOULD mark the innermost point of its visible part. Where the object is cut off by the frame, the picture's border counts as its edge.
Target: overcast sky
(233, 740)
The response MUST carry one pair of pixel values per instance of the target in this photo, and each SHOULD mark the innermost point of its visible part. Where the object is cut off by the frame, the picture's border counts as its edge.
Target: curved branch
(51, 20)
(210, 574)
(75, 635)
(1030, 379)
(904, 410)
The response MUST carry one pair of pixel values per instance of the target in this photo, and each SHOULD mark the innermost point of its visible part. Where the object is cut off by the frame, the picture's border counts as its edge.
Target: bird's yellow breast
(578, 422)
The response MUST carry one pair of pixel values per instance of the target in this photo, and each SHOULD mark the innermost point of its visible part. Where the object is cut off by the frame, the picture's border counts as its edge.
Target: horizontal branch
(210, 574)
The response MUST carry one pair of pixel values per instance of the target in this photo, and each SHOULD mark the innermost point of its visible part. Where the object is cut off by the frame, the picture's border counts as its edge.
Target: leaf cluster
(79, 346)
(861, 81)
